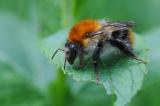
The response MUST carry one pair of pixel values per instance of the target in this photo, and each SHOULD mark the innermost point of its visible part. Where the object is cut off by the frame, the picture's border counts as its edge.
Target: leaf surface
(119, 75)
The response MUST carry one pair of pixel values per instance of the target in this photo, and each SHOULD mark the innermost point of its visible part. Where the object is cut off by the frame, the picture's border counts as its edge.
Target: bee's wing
(118, 23)
(115, 26)
(108, 27)
(123, 24)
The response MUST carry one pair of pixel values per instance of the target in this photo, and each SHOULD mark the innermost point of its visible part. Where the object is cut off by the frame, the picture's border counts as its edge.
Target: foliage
(27, 77)
(22, 66)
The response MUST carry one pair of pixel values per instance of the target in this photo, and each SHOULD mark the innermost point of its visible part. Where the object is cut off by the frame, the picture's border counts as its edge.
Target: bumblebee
(87, 33)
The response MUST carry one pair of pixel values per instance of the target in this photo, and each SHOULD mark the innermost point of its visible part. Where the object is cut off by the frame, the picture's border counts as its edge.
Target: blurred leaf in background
(53, 15)
(18, 45)
(49, 16)
(25, 74)
(149, 95)
(19, 8)
(15, 90)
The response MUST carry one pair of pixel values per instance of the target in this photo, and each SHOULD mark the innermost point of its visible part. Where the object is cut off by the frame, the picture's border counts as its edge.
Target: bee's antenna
(56, 52)
(64, 64)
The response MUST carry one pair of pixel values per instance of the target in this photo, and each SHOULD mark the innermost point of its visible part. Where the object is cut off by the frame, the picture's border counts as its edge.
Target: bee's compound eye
(73, 46)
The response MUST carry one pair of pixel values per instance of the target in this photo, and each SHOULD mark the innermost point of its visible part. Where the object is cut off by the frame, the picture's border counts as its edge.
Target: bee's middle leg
(96, 59)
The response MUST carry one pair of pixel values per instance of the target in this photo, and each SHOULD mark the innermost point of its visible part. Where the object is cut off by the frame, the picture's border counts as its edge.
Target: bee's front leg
(81, 58)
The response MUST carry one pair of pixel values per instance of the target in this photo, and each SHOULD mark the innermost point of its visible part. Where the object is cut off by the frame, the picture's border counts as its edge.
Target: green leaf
(17, 91)
(25, 73)
(119, 75)
(53, 15)
(90, 94)
(18, 47)
(152, 80)
(152, 39)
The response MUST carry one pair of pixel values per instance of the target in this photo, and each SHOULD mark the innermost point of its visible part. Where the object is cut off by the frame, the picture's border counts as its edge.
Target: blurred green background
(27, 78)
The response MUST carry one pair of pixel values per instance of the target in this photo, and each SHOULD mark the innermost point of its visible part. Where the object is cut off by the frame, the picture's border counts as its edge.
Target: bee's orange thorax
(78, 32)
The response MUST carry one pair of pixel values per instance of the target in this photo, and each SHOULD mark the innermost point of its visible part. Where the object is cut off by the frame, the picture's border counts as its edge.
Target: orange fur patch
(78, 32)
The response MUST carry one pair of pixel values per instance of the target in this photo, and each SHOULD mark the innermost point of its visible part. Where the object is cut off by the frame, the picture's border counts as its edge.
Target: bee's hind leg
(126, 48)
(96, 59)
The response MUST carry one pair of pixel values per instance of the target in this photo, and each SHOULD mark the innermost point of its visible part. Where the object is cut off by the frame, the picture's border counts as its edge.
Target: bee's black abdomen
(120, 34)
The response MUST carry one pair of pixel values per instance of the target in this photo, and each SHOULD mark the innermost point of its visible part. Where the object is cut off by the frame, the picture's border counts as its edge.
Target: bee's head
(71, 50)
